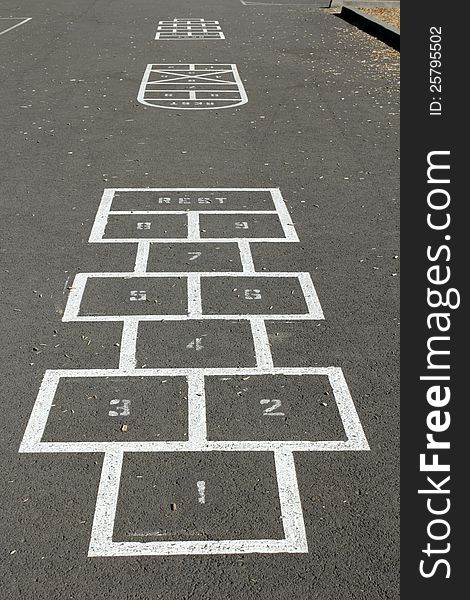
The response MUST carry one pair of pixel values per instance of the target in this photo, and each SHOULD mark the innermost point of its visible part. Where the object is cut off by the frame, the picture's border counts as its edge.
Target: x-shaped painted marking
(182, 75)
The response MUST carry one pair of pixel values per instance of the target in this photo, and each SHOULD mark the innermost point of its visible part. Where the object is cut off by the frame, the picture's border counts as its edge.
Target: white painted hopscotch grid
(189, 29)
(192, 86)
(187, 303)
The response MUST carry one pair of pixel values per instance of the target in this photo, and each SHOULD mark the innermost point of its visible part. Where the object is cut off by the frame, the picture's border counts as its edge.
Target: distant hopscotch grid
(189, 29)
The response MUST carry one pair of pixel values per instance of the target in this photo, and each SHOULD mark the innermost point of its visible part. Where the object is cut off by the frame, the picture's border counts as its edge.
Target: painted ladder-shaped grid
(189, 29)
(185, 413)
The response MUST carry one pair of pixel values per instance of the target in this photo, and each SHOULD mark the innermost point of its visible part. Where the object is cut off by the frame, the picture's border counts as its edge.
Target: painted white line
(101, 218)
(284, 216)
(127, 360)
(100, 548)
(194, 296)
(351, 422)
(186, 446)
(106, 502)
(25, 20)
(224, 240)
(74, 300)
(193, 79)
(310, 295)
(194, 315)
(192, 189)
(246, 3)
(264, 359)
(193, 226)
(185, 371)
(189, 212)
(141, 260)
(246, 256)
(40, 413)
(183, 274)
(197, 434)
(289, 498)
(201, 490)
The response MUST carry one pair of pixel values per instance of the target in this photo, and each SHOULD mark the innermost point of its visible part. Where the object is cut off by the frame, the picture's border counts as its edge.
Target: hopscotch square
(252, 295)
(171, 517)
(240, 225)
(242, 484)
(193, 204)
(194, 257)
(115, 296)
(117, 409)
(164, 412)
(190, 199)
(146, 227)
(272, 408)
(196, 344)
(264, 295)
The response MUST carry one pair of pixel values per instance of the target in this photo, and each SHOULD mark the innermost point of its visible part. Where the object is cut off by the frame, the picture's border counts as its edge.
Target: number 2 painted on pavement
(269, 411)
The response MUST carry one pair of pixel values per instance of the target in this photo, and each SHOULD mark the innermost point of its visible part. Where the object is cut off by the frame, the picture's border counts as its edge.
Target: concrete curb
(366, 3)
(386, 33)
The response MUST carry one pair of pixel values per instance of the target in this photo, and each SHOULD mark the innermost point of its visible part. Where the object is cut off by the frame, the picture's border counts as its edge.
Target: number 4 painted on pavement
(196, 344)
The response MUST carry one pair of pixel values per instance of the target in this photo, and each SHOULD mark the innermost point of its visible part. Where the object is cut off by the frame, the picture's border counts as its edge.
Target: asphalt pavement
(199, 302)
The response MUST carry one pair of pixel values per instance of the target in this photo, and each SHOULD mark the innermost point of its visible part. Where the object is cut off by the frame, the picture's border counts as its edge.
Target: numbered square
(199, 497)
(252, 296)
(272, 408)
(118, 409)
(194, 344)
(134, 296)
(241, 226)
(194, 257)
(148, 226)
